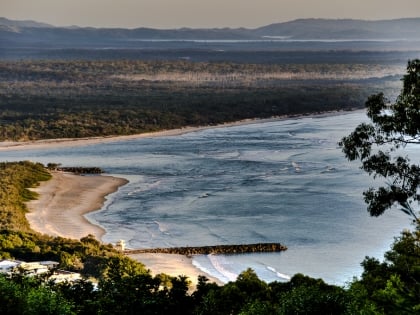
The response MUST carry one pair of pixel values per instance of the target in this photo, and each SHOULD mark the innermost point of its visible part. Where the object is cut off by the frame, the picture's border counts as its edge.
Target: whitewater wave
(214, 265)
(296, 166)
(217, 263)
(208, 271)
(162, 228)
(145, 187)
(278, 274)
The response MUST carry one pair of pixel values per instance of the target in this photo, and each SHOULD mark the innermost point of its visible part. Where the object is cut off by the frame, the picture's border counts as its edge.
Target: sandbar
(65, 199)
(173, 265)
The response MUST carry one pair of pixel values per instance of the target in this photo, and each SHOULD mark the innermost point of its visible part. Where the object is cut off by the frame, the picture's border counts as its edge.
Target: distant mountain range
(17, 25)
(344, 29)
(34, 40)
(303, 29)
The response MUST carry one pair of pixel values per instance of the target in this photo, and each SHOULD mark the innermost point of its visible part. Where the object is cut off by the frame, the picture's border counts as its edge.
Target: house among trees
(32, 268)
(38, 268)
(63, 276)
(8, 266)
(27, 268)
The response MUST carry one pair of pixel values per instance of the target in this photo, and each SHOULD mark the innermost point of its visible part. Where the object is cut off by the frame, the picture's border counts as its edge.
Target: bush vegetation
(62, 99)
(127, 287)
(124, 286)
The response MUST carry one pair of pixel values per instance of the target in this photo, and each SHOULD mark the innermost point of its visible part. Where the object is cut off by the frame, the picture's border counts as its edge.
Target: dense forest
(71, 99)
(115, 284)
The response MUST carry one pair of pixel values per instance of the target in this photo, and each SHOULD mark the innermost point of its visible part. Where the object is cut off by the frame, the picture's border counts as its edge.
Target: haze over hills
(344, 29)
(17, 25)
(34, 40)
(304, 29)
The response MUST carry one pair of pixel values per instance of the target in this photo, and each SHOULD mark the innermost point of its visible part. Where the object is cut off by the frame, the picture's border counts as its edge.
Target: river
(283, 181)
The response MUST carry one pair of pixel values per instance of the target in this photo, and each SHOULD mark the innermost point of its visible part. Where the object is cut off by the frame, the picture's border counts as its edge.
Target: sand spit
(71, 142)
(65, 199)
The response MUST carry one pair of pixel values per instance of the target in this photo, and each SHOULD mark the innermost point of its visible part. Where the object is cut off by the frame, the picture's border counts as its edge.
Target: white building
(7, 266)
(63, 276)
(33, 268)
(120, 245)
(38, 268)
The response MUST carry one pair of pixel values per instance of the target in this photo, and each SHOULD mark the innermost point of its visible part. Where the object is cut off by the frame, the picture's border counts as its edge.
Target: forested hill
(73, 99)
(349, 29)
(34, 32)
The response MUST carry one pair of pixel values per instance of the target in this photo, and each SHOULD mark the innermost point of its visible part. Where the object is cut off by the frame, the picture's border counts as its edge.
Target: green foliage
(394, 126)
(130, 289)
(389, 287)
(311, 296)
(250, 295)
(81, 294)
(26, 296)
(72, 99)
(18, 241)
(126, 287)
(136, 294)
(16, 178)
(123, 267)
(393, 286)
(259, 308)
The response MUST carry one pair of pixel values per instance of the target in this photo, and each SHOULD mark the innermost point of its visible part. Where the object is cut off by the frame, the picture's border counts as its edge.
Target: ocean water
(283, 181)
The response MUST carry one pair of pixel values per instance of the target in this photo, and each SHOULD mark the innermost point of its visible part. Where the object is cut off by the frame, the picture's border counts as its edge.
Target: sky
(165, 14)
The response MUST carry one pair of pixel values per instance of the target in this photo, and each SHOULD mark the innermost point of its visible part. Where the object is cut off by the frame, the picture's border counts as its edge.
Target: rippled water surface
(281, 181)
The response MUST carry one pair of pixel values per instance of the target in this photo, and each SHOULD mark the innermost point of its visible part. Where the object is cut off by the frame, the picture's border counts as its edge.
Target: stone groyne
(216, 249)
(81, 170)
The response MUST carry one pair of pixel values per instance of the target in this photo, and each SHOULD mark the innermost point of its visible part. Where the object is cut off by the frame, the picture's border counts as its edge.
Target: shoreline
(69, 142)
(64, 200)
(48, 216)
(173, 265)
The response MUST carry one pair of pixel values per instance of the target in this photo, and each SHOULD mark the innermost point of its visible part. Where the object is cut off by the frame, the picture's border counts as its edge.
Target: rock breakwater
(81, 170)
(216, 249)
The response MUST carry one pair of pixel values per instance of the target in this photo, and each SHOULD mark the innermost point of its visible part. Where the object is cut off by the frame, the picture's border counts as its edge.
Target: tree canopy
(378, 146)
(76, 99)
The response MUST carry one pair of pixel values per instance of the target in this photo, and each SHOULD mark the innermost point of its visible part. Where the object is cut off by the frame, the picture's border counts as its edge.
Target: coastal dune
(63, 201)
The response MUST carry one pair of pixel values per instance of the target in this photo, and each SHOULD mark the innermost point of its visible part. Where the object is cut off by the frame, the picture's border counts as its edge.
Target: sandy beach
(64, 200)
(60, 209)
(66, 142)
(173, 265)
(69, 142)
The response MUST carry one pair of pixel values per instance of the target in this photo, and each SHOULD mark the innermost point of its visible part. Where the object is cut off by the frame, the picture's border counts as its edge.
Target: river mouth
(281, 181)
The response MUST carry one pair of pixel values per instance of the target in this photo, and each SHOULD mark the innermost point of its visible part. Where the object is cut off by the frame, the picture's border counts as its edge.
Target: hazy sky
(199, 13)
